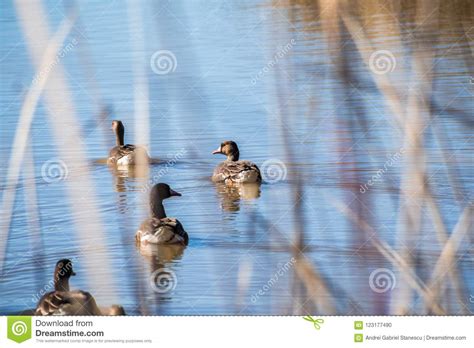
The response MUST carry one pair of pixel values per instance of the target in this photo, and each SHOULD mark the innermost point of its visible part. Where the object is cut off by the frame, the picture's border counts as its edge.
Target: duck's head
(119, 130)
(117, 310)
(117, 125)
(64, 269)
(228, 148)
(162, 191)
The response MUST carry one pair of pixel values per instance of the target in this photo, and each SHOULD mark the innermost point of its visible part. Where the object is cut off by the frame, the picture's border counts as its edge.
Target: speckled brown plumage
(233, 171)
(162, 231)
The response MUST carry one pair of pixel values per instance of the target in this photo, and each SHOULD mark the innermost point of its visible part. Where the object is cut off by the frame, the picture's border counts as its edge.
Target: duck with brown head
(122, 154)
(63, 301)
(232, 170)
(160, 229)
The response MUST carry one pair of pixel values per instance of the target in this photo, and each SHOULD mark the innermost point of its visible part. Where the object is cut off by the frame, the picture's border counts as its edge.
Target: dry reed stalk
(23, 129)
(442, 236)
(391, 94)
(62, 118)
(140, 80)
(316, 287)
(446, 261)
(412, 182)
(395, 258)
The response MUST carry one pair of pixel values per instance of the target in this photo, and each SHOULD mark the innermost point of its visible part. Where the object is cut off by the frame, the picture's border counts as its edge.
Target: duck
(123, 155)
(63, 301)
(160, 229)
(233, 171)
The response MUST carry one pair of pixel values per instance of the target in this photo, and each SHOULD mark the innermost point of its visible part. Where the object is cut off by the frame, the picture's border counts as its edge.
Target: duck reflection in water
(132, 179)
(231, 196)
(124, 179)
(161, 259)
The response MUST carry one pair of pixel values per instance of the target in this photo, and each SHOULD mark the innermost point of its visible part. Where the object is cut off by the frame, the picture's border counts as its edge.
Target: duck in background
(63, 301)
(160, 229)
(125, 155)
(233, 171)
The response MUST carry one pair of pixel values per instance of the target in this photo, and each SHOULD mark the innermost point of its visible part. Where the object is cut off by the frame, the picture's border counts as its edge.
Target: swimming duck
(125, 155)
(160, 229)
(232, 170)
(62, 301)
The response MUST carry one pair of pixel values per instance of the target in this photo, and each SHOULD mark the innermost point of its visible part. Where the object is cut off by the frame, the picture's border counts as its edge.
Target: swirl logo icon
(54, 170)
(382, 62)
(19, 328)
(382, 280)
(163, 280)
(273, 171)
(163, 62)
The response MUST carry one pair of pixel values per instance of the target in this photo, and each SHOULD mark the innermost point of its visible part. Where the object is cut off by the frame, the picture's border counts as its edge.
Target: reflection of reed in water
(231, 195)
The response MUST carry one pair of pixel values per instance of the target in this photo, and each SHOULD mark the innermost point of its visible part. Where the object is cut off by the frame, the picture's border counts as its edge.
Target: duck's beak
(217, 151)
(174, 193)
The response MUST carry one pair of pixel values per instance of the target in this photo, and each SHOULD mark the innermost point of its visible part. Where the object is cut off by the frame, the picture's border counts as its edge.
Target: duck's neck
(61, 284)
(119, 133)
(158, 210)
(234, 156)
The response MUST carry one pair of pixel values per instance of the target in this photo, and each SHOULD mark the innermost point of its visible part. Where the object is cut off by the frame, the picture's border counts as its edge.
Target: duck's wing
(237, 171)
(50, 303)
(162, 231)
(127, 154)
(118, 152)
(67, 303)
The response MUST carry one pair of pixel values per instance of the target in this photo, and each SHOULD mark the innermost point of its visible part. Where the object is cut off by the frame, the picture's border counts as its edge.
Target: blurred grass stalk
(65, 126)
(21, 139)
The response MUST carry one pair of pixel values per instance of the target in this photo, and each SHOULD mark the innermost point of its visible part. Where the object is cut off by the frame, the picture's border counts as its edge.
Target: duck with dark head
(123, 155)
(63, 301)
(160, 229)
(233, 170)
